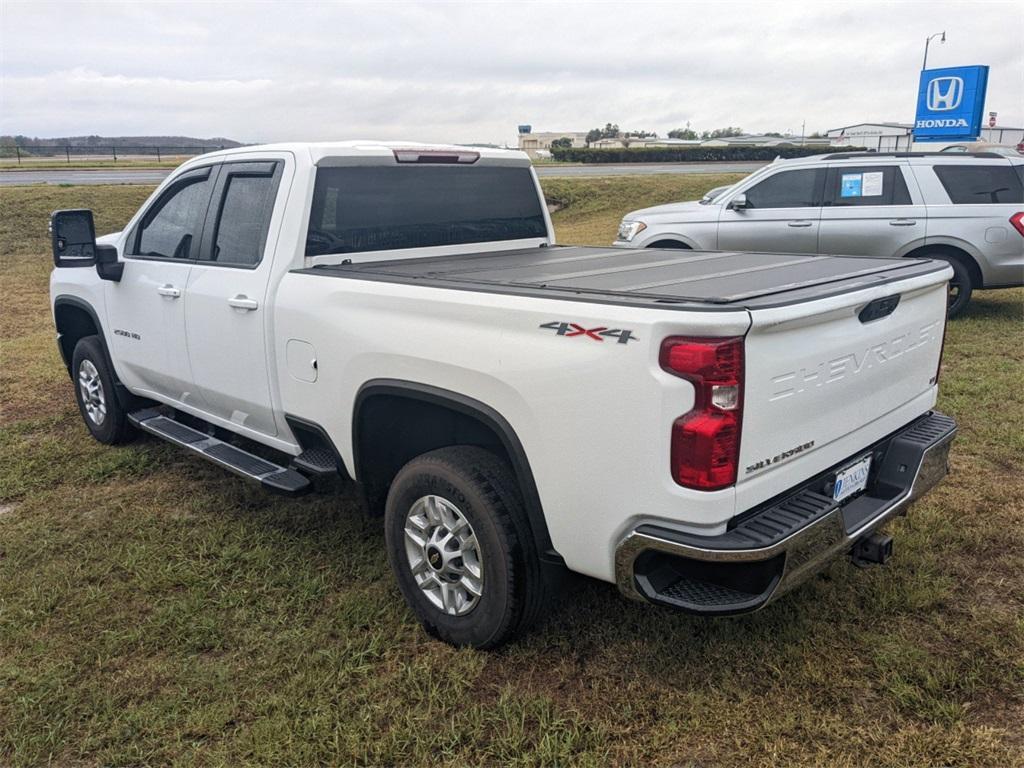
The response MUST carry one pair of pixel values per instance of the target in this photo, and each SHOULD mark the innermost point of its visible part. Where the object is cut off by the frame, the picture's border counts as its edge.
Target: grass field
(156, 610)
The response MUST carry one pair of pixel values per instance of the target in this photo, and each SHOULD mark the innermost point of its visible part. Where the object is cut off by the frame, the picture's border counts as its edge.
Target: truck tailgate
(826, 378)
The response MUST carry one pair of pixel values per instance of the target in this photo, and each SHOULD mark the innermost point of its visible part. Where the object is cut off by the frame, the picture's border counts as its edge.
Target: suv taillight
(1018, 222)
(706, 441)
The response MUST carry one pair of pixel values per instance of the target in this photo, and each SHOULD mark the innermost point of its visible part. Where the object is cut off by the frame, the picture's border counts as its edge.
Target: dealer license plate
(853, 479)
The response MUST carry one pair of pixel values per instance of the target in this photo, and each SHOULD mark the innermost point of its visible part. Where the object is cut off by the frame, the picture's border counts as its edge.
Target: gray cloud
(471, 72)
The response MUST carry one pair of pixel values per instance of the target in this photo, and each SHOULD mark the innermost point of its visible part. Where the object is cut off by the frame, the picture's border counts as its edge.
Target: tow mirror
(73, 237)
(739, 202)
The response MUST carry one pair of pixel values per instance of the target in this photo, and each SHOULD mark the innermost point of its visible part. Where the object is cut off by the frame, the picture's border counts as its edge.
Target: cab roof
(322, 153)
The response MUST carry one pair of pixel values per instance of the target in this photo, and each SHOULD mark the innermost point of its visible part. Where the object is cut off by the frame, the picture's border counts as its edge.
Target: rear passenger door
(227, 312)
(871, 210)
(782, 214)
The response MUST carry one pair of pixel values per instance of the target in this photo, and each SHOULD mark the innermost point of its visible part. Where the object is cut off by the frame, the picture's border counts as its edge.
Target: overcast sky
(435, 71)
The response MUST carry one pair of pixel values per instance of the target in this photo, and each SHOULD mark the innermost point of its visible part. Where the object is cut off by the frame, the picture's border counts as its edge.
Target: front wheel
(460, 546)
(103, 415)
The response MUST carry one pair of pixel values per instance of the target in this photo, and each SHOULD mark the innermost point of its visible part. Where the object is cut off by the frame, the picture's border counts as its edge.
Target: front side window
(981, 184)
(788, 189)
(246, 204)
(866, 185)
(383, 207)
(171, 228)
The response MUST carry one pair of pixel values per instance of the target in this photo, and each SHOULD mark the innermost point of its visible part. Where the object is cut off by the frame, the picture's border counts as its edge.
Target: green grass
(156, 610)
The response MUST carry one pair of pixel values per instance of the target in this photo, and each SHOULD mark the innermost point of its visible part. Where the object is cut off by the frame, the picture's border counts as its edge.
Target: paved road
(71, 176)
(644, 169)
(135, 176)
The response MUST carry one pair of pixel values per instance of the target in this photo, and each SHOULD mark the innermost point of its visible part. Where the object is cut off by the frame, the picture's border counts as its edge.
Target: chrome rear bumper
(771, 551)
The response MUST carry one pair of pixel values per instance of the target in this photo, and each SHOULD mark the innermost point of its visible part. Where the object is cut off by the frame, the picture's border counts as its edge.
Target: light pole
(927, 40)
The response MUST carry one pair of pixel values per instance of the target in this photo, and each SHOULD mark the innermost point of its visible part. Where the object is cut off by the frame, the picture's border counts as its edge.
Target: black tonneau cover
(656, 277)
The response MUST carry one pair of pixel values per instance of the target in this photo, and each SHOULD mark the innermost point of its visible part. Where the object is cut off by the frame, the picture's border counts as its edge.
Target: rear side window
(980, 184)
(377, 208)
(866, 185)
(172, 226)
(788, 189)
(246, 202)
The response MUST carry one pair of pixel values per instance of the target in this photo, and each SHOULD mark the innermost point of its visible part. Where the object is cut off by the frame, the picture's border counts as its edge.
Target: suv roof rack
(859, 155)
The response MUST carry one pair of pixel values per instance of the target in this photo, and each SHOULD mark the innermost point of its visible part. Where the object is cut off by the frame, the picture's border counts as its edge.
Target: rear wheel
(960, 286)
(103, 415)
(460, 546)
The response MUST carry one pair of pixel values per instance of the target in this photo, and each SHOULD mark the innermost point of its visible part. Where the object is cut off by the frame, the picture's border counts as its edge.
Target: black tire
(103, 415)
(960, 286)
(483, 489)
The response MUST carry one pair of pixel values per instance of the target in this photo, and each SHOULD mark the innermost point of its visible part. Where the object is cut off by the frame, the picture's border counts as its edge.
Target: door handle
(169, 291)
(800, 223)
(241, 301)
(902, 222)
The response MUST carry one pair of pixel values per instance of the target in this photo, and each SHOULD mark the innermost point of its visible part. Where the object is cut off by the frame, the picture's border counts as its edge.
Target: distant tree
(817, 135)
(640, 135)
(722, 133)
(610, 131)
(682, 133)
(563, 143)
(774, 135)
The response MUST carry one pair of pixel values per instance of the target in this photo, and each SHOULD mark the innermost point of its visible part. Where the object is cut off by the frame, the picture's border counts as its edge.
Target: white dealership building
(898, 137)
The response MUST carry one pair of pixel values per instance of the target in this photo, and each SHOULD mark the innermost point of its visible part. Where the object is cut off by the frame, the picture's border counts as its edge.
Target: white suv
(967, 209)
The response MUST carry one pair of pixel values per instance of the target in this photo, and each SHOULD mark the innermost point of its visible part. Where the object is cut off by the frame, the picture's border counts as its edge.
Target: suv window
(172, 226)
(382, 207)
(246, 201)
(788, 189)
(866, 185)
(980, 184)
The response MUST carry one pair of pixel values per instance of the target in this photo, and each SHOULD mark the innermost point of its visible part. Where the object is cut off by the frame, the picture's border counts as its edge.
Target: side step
(316, 462)
(271, 476)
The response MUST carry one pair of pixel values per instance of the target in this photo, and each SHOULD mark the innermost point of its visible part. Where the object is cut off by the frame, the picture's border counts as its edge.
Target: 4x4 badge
(597, 334)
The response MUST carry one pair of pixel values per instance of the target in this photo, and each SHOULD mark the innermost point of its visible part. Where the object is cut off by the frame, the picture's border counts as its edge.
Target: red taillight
(706, 441)
(1018, 222)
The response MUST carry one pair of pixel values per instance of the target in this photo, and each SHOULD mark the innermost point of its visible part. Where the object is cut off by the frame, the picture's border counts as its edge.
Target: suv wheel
(103, 415)
(460, 546)
(960, 286)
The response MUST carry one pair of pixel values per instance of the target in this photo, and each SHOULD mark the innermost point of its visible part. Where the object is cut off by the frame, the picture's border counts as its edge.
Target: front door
(146, 309)
(227, 312)
(781, 215)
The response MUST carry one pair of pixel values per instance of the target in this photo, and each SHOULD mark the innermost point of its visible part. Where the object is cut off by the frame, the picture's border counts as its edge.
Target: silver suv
(967, 209)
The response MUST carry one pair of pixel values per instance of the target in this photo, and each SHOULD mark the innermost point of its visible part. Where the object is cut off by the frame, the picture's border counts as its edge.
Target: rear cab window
(383, 207)
(850, 185)
(981, 184)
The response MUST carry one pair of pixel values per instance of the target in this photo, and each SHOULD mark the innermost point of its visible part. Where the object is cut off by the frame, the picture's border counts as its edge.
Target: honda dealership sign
(950, 104)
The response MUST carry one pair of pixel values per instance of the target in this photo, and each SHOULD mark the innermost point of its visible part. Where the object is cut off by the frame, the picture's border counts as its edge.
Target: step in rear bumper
(774, 548)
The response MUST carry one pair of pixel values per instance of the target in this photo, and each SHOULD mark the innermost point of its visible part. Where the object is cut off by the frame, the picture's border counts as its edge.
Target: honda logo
(945, 93)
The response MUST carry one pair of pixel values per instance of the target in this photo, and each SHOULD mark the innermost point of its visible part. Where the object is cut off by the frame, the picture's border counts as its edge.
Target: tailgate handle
(878, 308)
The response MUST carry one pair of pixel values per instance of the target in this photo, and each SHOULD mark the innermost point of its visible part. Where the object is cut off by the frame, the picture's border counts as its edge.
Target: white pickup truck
(705, 429)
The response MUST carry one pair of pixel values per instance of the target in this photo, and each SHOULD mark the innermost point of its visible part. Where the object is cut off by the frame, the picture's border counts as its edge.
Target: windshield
(383, 207)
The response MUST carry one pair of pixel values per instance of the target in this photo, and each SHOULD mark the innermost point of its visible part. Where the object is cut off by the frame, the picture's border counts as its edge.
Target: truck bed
(651, 277)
